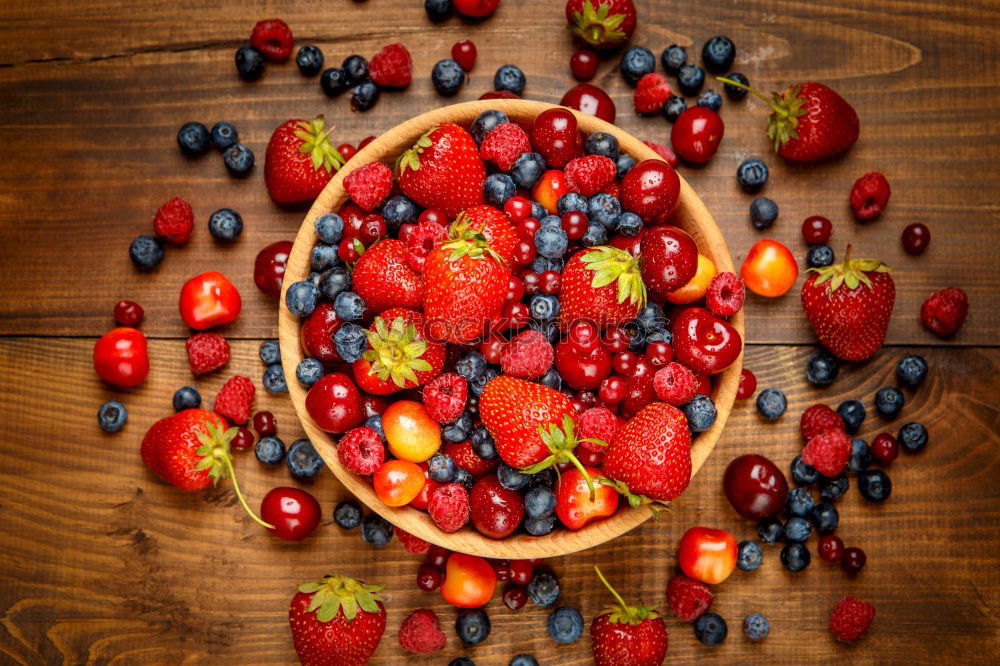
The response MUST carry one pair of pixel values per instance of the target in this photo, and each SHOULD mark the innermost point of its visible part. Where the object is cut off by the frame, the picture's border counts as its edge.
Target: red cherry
(265, 424)
(438, 556)
(269, 267)
(464, 53)
(584, 336)
(208, 300)
(831, 548)
(916, 238)
(583, 63)
(589, 458)
(574, 505)
(243, 439)
(650, 190)
(121, 357)
(429, 577)
(554, 135)
(704, 385)
(612, 390)
(630, 244)
(669, 258)
(816, 229)
(347, 151)
(705, 343)
(707, 555)
(748, 384)
(659, 353)
(373, 404)
(433, 215)
(590, 100)
(583, 371)
(515, 289)
(353, 216)
(347, 252)
(496, 511)
(624, 362)
(616, 340)
(515, 315)
(128, 313)
(696, 135)
(334, 403)
(755, 486)
(317, 331)
(517, 208)
(549, 282)
(365, 141)
(476, 8)
(293, 512)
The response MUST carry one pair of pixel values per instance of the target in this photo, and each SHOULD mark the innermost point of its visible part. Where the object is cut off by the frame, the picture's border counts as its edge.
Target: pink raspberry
(174, 221)
(420, 633)
(445, 396)
(689, 599)
(829, 452)
(528, 355)
(235, 399)
(596, 423)
(449, 507)
(818, 419)
(369, 185)
(423, 238)
(504, 144)
(590, 174)
(725, 294)
(851, 618)
(675, 384)
(361, 451)
(870, 196)
(413, 544)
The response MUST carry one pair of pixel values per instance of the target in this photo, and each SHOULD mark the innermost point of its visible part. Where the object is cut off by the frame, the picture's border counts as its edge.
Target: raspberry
(675, 384)
(420, 632)
(174, 221)
(207, 352)
(449, 507)
(423, 238)
(851, 618)
(273, 38)
(829, 452)
(235, 399)
(391, 67)
(651, 93)
(725, 294)
(361, 451)
(664, 152)
(467, 459)
(688, 599)
(413, 544)
(869, 196)
(590, 174)
(444, 397)
(369, 185)
(596, 423)
(944, 312)
(528, 355)
(818, 419)
(504, 144)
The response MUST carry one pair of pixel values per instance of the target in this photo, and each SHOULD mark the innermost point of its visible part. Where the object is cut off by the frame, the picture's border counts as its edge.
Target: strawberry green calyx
(850, 273)
(335, 593)
(623, 613)
(410, 159)
(634, 501)
(396, 352)
(561, 442)
(610, 264)
(787, 109)
(594, 25)
(215, 458)
(470, 243)
(316, 143)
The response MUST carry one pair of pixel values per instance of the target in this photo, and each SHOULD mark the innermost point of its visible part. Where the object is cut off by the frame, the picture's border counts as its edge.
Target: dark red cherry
(269, 267)
(591, 100)
(755, 486)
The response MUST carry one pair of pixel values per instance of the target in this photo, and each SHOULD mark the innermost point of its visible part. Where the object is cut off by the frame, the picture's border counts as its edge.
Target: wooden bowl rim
(518, 546)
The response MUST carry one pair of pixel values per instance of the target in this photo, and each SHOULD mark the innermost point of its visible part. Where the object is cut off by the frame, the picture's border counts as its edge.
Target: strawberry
(810, 121)
(494, 225)
(849, 304)
(651, 93)
(338, 621)
(504, 144)
(443, 170)
(300, 160)
(650, 457)
(466, 458)
(369, 185)
(392, 67)
(466, 284)
(603, 285)
(603, 24)
(590, 174)
(623, 634)
(398, 355)
(384, 279)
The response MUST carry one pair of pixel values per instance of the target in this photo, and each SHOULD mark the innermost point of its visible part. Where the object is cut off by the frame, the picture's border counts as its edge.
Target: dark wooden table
(102, 563)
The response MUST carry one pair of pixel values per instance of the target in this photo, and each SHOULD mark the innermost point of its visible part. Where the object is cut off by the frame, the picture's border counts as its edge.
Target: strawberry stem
(777, 109)
(224, 456)
(613, 591)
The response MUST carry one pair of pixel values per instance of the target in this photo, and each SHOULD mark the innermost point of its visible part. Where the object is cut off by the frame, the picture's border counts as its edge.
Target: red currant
(578, 406)
(549, 282)
(516, 314)
(831, 547)
(624, 362)
(515, 290)
(347, 151)
(429, 577)
(589, 458)
(583, 63)
(525, 252)
(527, 228)
(128, 313)
(464, 53)
(531, 282)
(243, 440)
(438, 556)
(575, 224)
(502, 568)
(372, 229)
(521, 571)
(491, 348)
(616, 340)
(515, 597)
(612, 390)
(884, 448)
(517, 208)
(588, 398)
(584, 336)
(916, 238)
(659, 354)
(265, 424)
(816, 230)
(347, 252)
(853, 560)
(748, 384)
(433, 215)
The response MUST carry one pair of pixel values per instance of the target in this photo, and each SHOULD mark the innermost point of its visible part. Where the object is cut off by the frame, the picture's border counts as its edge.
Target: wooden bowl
(691, 215)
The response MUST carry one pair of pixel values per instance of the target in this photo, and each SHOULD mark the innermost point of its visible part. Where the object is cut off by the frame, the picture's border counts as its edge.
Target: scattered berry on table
(795, 557)
(756, 626)
(771, 403)
(543, 590)
(735, 92)
(193, 138)
(523, 660)
(438, 10)
(689, 599)
(831, 548)
(333, 81)
(889, 401)
(944, 312)
(916, 238)
(509, 77)
(224, 134)
(636, 63)
(853, 414)
(825, 517)
(651, 93)
(274, 379)
(249, 63)
(583, 64)
(850, 619)
(700, 413)
(447, 77)
(128, 313)
(749, 556)
(803, 474)
(819, 256)
(112, 416)
(869, 196)
(270, 450)
(710, 629)
(472, 625)
(356, 69)
(884, 448)
(797, 529)
(829, 452)
(309, 60)
(269, 352)
(420, 633)
(830, 488)
(364, 96)
(853, 560)
(690, 78)
(464, 53)
(174, 221)
(800, 501)
(273, 38)
(206, 352)
(710, 99)
(391, 67)
(673, 58)
(816, 230)
(861, 456)
(225, 224)
(376, 530)
(303, 461)
(748, 384)
(718, 54)
(822, 368)
(238, 159)
(770, 530)
(457, 661)
(912, 436)
(875, 485)
(265, 423)
(565, 625)
(347, 514)
(763, 212)
(911, 370)
(186, 397)
(818, 419)
(751, 174)
(429, 577)
(243, 439)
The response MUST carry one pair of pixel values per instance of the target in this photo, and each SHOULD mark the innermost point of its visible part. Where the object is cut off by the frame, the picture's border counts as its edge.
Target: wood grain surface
(102, 563)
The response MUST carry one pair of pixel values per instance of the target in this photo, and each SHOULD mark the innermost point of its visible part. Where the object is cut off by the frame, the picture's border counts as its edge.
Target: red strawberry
(235, 399)
(369, 185)
(849, 304)
(384, 279)
(603, 285)
(338, 621)
(494, 225)
(623, 634)
(650, 457)
(443, 170)
(810, 121)
(398, 355)
(651, 93)
(392, 67)
(504, 144)
(468, 460)
(601, 23)
(174, 221)
(590, 174)
(207, 352)
(300, 160)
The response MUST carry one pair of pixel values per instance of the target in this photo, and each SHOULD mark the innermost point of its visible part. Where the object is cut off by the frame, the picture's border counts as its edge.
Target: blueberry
(146, 251)
(193, 138)
(269, 450)
(803, 474)
(441, 468)
(853, 413)
(356, 69)
(301, 298)
(673, 58)
(911, 370)
(274, 379)
(537, 210)
(437, 10)
(472, 625)
(861, 456)
(629, 225)
(913, 436)
(710, 629)
(605, 209)
(763, 212)
(224, 135)
(799, 502)
(447, 77)
(690, 78)
(875, 485)
(544, 307)
(376, 530)
(735, 92)
(303, 461)
(497, 188)
(756, 626)
(347, 514)
(770, 530)
(323, 256)
(364, 96)
(477, 385)
(349, 306)
(350, 342)
(329, 228)
(309, 60)
(832, 488)
(596, 235)
(543, 589)
(674, 107)
(483, 444)
(458, 431)
(523, 660)
(333, 81)
(334, 282)
(751, 174)
(718, 54)
(623, 165)
(822, 368)
(511, 477)
(249, 63)
(771, 403)
(572, 201)
(551, 378)
(660, 335)
(825, 517)
(710, 99)
(700, 413)
(238, 159)
(795, 557)
(889, 401)
(551, 333)
(651, 317)
(375, 423)
(225, 225)
(486, 122)
(509, 77)
(636, 63)
(603, 144)
(400, 210)
(797, 529)
(547, 478)
(464, 478)
(539, 526)
(313, 278)
(819, 256)
(471, 365)
(565, 625)
(539, 502)
(749, 556)
(527, 169)
(309, 371)
(186, 397)
(551, 241)
(549, 220)
(112, 415)
(457, 661)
